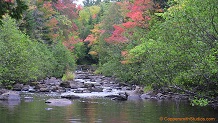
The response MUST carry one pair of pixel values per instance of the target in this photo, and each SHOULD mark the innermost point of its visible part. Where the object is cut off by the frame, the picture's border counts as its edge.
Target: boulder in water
(145, 96)
(10, 96)
(119, 97)
(26, 88)
(134, 97)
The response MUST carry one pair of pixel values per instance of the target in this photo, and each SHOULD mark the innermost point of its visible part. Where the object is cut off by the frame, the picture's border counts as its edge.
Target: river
(100, 110)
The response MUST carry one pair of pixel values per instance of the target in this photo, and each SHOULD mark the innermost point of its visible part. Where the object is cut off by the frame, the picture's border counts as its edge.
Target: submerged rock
(119, 97)
(48, 109)
(70, 96)
(58, 102)
(10, 103)
(134, 97)
(28, 99)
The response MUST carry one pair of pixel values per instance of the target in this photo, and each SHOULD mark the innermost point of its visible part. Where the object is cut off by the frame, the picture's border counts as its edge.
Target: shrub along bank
(23, 59)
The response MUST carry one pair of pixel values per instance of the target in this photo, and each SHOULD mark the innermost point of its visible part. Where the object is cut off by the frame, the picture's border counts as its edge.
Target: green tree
(15, 9)
(64, 60)
(181, 50)
(21, 58)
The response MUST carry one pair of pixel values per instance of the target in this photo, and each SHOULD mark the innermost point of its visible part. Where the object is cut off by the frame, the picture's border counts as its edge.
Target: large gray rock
(3, 91)
(44, 89)
(135, 94)
(159, 95)
(10, 96)
(65, 85)
(17, 87)
(58, 102)
(54, 88)
(26, 88)
(75, 84)
(96, 89)
(38, 86)
(32, 89)
(52, 81)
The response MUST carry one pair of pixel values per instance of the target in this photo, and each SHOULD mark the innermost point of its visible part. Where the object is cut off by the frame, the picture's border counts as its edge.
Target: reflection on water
(10, 103)
(97, 111)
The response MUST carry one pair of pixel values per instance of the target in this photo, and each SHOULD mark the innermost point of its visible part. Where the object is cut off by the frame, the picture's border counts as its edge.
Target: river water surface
(99, 110)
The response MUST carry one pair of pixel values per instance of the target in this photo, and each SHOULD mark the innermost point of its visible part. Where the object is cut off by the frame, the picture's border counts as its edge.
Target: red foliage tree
(53, 26)
(139, 12)
(67, 7)
(9, 1)
(91, 39)
(71, 10)
(129, 24)
(117, 36)
(136, 14)
(71, 42)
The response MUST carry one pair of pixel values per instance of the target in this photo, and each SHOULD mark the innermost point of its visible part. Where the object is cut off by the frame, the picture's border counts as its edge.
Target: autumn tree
(15, 8)
(45, 23)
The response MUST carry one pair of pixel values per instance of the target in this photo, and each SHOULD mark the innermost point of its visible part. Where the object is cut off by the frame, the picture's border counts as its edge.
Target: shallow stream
(33, 109)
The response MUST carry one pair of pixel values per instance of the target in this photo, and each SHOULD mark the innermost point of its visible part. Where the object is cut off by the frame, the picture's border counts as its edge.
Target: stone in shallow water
(146, 96)
(10, 103)
(48, 109)
(25, 88)
(28, 99)
(134, 97)
(10, 96)
(70, 96)
(10, 99)
(119, 97)
(58, 102)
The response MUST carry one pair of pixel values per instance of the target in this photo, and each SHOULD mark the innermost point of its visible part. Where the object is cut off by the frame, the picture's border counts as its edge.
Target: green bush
(199, 102)
(16, 54)
(147, 88)
(68, 76)
(23, 60)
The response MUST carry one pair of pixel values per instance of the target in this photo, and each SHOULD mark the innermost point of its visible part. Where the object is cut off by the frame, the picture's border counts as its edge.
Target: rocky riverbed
(89, 85)
(86, 85)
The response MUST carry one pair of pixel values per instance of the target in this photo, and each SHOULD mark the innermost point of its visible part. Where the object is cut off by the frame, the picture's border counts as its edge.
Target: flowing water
(99, 110)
